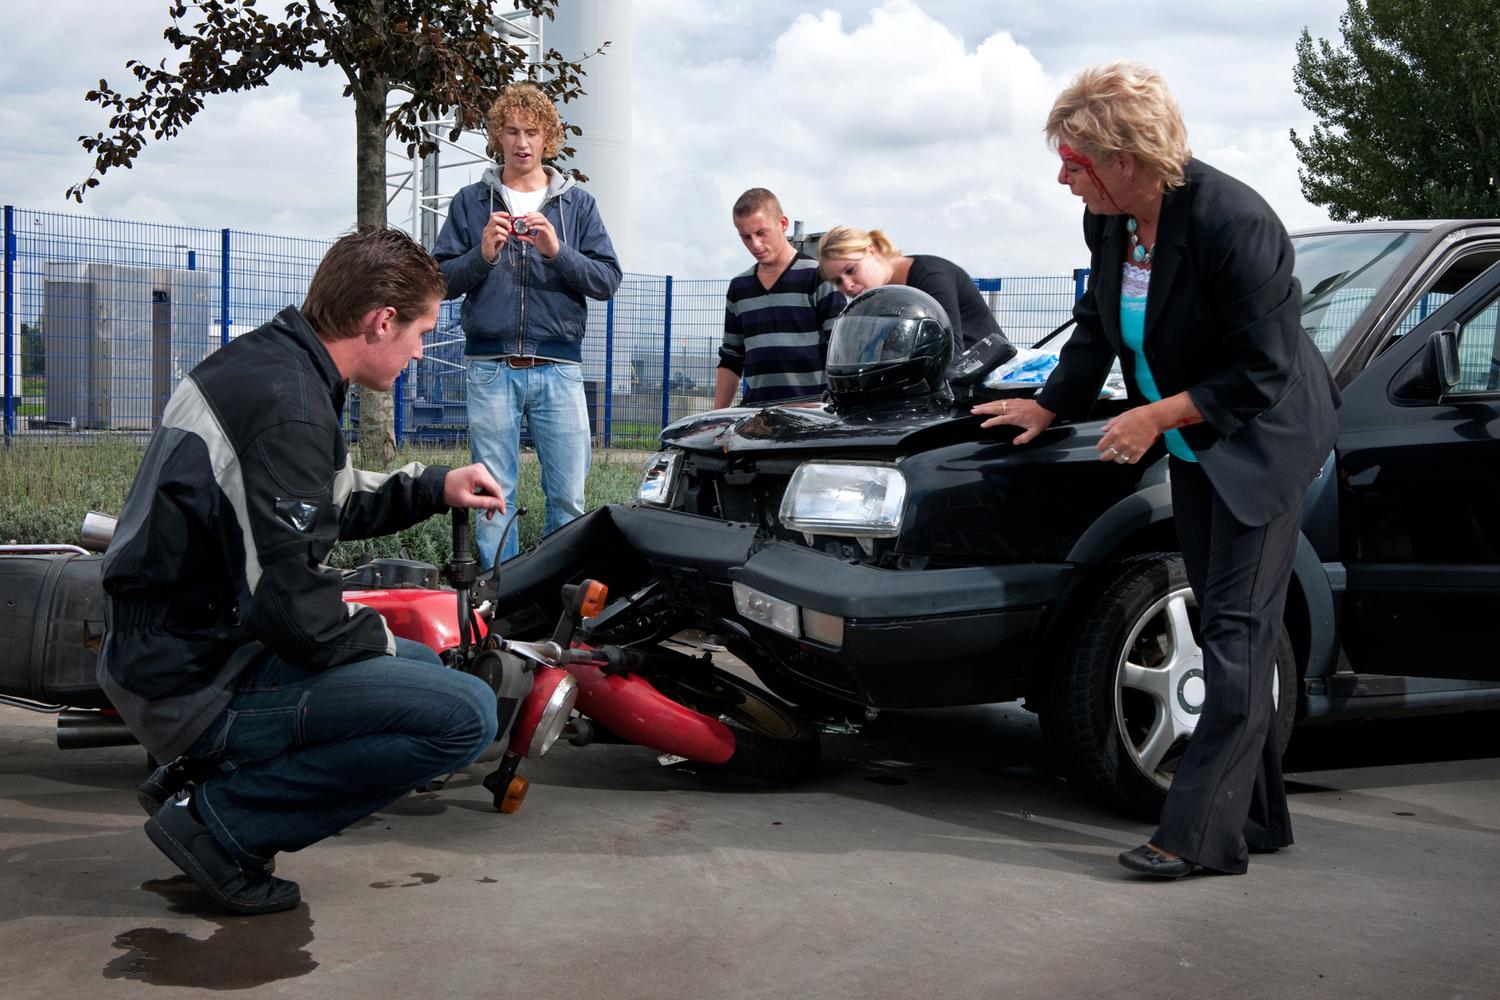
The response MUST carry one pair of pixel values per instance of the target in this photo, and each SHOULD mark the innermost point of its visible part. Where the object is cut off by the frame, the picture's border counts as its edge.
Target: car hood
(812, 425)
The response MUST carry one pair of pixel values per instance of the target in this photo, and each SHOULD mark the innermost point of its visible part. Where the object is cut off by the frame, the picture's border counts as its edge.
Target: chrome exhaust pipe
(98, 530)
(84, 729)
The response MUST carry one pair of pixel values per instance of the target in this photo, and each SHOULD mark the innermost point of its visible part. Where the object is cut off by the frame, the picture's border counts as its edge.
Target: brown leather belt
(521, 361)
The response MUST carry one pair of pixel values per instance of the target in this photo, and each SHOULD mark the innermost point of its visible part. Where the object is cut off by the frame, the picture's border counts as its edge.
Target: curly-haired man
(525, 246)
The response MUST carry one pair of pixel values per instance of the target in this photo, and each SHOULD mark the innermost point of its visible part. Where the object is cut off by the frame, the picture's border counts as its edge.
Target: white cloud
(889, 122)
(919, 116)
(883, 115)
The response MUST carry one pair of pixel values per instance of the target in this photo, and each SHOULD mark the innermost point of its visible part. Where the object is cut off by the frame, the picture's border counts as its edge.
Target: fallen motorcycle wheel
(772, 740)
(1128, 689)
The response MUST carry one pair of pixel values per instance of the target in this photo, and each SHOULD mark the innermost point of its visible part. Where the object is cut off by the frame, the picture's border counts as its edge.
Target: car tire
(1125, 694)
(772, 740)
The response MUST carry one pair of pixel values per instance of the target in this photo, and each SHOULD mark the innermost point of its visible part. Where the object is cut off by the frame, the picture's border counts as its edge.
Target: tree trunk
(377, 424)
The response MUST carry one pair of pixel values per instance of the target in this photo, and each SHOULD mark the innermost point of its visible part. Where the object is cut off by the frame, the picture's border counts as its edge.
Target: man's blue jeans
(304, 753)
(551, 398)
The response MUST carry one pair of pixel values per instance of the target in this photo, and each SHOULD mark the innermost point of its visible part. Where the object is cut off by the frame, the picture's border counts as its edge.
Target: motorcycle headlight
(658, 478)
(560, 691)
(837, 498)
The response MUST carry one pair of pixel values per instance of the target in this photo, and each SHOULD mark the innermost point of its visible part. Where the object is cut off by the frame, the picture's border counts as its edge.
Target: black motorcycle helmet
(890, 342)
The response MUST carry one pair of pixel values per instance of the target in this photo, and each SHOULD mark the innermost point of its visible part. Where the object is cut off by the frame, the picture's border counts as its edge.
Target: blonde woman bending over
(856, 259)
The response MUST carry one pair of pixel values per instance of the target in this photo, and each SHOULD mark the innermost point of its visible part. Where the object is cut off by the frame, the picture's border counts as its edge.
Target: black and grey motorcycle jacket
(218, 555)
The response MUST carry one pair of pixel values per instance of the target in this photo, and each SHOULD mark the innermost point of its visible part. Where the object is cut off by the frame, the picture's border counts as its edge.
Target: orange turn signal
(594, 594)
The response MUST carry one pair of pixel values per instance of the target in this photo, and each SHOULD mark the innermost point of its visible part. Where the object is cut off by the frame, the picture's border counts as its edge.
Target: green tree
(33, 349)
(1408, 110)
(445, 56)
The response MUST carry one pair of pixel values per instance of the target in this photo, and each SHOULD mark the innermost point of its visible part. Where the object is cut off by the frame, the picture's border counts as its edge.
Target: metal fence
(104, 317)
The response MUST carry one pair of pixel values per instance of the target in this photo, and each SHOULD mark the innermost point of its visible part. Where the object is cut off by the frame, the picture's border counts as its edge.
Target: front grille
(683, 584)
(745, 495)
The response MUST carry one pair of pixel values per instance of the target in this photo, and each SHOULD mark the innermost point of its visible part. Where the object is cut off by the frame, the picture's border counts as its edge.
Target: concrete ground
(933, 855)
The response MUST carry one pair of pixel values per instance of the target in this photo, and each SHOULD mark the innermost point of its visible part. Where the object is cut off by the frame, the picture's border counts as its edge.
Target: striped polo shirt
(776, 338)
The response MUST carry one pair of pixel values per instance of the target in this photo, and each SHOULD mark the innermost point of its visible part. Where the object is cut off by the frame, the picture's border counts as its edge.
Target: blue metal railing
(102, 318)
(10, 350)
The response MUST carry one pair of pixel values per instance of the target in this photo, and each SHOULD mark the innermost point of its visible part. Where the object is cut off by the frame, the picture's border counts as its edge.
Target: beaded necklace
(1139, 252)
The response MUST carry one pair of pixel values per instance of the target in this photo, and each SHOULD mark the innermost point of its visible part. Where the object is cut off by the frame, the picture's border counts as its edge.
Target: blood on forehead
(1071, 155)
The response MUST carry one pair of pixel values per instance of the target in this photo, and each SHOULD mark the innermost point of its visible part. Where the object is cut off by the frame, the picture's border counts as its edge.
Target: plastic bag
(1032, 367)
(1028, 367)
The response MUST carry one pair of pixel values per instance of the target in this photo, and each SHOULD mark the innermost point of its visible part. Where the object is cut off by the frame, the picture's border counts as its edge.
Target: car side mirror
(1443, 346)
(1431, 373)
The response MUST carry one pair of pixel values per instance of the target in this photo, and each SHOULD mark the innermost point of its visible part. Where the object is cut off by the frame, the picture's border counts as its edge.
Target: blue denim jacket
(523, 303)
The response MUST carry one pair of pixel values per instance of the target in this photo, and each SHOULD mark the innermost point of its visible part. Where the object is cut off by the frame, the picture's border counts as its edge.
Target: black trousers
(1228, 788)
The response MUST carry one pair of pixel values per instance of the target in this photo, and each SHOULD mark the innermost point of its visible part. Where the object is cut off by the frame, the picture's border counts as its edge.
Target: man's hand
(473, 486)
(540, 234)
(496, 232)
(1029, 415)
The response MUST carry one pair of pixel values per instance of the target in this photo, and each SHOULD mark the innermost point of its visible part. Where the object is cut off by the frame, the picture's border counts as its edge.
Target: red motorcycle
(546, 688)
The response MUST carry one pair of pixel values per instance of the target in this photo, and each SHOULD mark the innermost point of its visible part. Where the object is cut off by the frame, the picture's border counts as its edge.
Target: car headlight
(837, 498)
(658, 478)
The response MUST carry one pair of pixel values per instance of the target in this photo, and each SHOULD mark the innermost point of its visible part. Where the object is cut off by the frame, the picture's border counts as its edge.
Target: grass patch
(45, 489)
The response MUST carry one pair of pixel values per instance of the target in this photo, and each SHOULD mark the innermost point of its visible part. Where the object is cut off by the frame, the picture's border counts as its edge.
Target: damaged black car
(876, 549)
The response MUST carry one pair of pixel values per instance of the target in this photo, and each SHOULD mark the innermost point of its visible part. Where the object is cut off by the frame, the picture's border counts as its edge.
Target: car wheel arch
(1143, 522)
(1122, 527)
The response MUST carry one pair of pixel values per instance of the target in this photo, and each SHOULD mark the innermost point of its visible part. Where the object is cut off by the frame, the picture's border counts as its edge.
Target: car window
(1340, 274)
(1452, 280)
(1479, 353)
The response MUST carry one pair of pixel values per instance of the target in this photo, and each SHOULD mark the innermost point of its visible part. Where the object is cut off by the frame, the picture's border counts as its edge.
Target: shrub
(46, 488)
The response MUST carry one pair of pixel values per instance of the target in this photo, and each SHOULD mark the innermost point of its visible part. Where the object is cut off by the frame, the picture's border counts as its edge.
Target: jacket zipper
(521, 281)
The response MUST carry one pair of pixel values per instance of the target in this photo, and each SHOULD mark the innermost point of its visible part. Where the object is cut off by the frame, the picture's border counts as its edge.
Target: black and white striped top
(776, 338)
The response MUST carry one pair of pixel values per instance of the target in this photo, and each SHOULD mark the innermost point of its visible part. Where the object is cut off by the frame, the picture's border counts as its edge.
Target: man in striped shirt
(778, 314)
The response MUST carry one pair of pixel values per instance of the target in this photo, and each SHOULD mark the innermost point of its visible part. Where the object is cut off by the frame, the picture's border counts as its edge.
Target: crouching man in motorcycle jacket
(229, 641)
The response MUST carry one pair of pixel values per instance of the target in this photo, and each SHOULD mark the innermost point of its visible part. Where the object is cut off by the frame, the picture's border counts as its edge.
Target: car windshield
(1340, 274)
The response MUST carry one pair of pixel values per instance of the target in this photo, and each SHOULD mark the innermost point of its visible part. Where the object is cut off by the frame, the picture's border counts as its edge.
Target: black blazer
(1223, 323)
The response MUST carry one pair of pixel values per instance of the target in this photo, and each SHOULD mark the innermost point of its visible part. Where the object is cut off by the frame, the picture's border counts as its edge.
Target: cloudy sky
(921, 117)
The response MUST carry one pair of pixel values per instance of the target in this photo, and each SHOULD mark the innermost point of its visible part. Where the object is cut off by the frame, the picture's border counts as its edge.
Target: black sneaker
(190, 846)
(165, 782)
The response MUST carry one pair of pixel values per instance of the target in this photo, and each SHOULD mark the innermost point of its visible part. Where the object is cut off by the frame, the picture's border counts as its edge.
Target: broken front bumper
(881, 637)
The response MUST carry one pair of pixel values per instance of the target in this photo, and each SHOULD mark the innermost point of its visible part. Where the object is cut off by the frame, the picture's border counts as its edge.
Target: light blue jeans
(551, 399)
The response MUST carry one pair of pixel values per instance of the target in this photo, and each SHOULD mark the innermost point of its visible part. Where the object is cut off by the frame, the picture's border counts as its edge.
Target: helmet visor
(871, 340)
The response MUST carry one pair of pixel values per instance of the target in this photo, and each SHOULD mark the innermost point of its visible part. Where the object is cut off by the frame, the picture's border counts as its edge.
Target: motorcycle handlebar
(462, 531)
(614, 660)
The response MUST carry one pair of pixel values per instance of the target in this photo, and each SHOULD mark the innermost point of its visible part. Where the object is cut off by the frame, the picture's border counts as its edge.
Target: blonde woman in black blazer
(1191, 287)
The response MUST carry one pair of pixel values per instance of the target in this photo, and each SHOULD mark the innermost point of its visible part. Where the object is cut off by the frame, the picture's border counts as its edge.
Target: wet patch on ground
(422, 878)
(241, 953)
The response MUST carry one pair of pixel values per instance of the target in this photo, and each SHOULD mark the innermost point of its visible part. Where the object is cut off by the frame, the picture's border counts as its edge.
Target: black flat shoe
(191, 847)
(1147, 861)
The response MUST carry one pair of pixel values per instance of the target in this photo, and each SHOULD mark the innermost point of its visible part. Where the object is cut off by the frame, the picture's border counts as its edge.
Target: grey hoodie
(523, 303)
